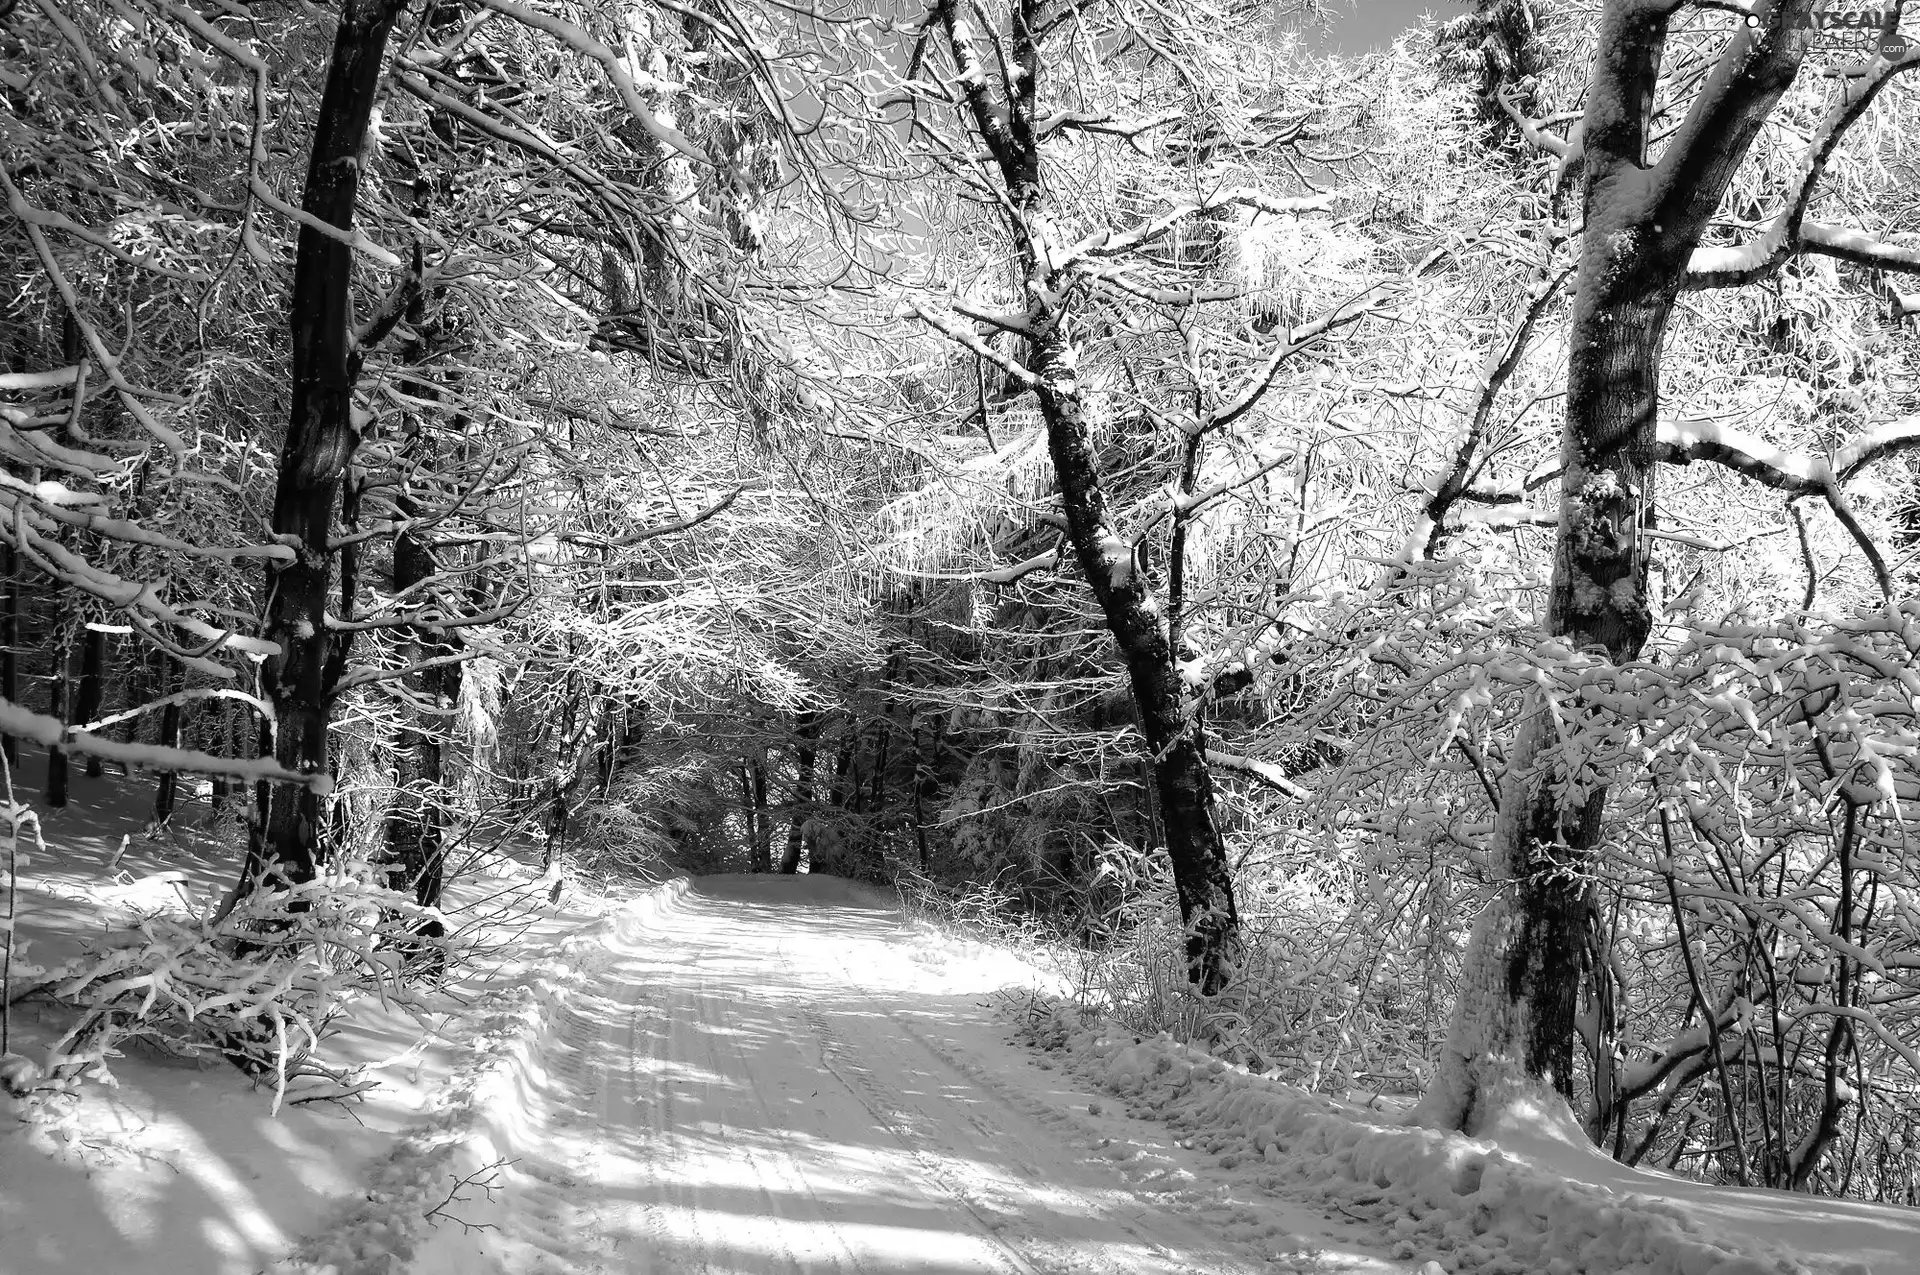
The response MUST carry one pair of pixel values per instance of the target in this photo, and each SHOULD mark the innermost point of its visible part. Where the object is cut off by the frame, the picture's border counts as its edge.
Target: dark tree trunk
(166, 792)
(320, 442)
(9, 650)
(923, 780)
(54, 793)
(1513, 1029)
(93, 658)
(844, 796)
(807, 734)
(613, 734)
(761, 856)
(217, 723)
(749, 812)
(416, 821)
(558, 792)
(1008, 128)
(877, 798)
(1173, 737)
(847, 788)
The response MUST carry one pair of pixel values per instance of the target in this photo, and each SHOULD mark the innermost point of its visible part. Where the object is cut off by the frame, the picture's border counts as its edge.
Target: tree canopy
(1411, 559)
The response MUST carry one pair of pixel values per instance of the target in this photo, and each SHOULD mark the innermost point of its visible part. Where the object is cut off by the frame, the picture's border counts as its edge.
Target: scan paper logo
(1851, 31)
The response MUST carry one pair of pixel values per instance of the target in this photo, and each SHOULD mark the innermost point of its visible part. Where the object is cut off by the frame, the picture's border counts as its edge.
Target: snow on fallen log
(1529, 1204)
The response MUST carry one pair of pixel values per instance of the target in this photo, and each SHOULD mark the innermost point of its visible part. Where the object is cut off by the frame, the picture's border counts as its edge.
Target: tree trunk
(54, 793)
(1010, 131)
(217, 726)
(558, 792)
(166, 792)
(761, 858)
(1174, 739)
(842, 794)
(613, 735)
(807, 732)
(10, 651)
(320, 442)
(1512, 1032)
(93, 658)
(750, 813)
(923, 779)
(416, 820)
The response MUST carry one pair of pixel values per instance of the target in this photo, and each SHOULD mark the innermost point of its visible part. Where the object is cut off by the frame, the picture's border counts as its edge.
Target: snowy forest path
(772, 1075)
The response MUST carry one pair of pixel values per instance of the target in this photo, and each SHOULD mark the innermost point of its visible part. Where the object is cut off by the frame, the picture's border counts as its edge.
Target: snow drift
(1527, 1202)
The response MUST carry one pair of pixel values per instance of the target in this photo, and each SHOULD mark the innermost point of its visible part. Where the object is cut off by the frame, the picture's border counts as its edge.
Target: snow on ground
(1529, 1201)
(784, 1074)
(178, 1166)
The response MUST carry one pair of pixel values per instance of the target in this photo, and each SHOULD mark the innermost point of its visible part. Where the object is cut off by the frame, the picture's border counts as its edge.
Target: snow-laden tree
(1675, 102)
(1112, 152)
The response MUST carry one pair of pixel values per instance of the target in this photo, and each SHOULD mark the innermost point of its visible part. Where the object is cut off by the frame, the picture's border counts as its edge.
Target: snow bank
(381, 1231)
(1470, 1204)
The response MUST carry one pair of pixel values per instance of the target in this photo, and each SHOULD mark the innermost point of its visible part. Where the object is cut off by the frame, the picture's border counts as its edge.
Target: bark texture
(761, 855)
(92, 689)
(320, 442)
(54, 791)
(1512, 1032)
(1005, 119)
(9, 650)
(1174, 738)
(416, 820)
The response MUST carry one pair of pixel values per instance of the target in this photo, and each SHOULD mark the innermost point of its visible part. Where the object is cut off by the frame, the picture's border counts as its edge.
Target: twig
(487, 1178)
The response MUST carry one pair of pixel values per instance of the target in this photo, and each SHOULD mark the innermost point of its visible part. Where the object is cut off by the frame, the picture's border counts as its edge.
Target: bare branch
(1789, 233)
(1263, 772)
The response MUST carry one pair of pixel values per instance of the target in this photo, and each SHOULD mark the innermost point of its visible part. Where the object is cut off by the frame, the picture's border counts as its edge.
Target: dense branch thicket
(1405, 568)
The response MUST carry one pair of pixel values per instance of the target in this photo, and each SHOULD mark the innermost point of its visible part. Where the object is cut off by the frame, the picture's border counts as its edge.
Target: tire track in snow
(1052, 1178)
(750, 1088)
(836, 1062)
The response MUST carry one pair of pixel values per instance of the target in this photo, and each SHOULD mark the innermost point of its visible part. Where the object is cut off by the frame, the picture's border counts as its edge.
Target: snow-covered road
(776, 1075)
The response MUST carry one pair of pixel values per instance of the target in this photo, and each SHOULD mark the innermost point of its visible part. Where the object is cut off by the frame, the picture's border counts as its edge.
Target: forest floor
(753, 1074)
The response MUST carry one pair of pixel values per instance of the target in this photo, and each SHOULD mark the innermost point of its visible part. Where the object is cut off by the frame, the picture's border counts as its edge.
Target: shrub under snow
(1470, 1203)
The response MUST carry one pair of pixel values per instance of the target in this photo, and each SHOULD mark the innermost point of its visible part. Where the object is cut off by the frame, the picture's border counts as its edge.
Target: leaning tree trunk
(1174, 738)
(320, 441)
(1007, 123)
(1513, 1031)
(807, 733)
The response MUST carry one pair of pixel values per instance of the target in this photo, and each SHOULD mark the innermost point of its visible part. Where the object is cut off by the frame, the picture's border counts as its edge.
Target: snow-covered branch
(1271, 776)
(616, 68)
(1457, 482)
(1685, 441)
(673, 528)
(1102, 123)
(1106, 242)
(1788, 232)
(1307, 334)
(1682, 442)
(971, 341)
(50, 732)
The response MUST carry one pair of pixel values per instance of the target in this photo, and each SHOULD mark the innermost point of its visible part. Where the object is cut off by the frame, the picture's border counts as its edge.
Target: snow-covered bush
(260, 985)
